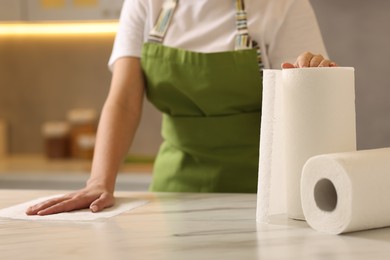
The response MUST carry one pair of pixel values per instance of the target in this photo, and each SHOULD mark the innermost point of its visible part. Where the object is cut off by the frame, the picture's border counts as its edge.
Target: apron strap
(243, 40)
(159, 30)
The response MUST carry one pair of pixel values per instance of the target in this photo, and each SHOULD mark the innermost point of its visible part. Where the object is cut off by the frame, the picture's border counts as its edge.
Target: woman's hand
(92, 197)
(308, 59)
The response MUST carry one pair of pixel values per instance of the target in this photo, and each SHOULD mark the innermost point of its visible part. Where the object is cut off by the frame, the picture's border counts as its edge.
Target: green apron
(211, 118)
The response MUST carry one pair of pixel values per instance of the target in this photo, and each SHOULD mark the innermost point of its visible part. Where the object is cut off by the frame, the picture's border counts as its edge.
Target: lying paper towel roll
(313, 113)
(347, 192)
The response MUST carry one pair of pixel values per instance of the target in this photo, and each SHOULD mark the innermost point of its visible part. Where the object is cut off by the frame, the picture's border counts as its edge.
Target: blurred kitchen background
(52, 72)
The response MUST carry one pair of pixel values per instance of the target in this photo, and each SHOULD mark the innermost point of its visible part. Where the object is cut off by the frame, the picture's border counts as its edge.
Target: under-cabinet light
(59, 28)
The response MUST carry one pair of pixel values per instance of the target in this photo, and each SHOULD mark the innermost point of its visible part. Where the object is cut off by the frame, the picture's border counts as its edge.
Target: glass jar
(86, 144)
(83, 122)
(56, 139)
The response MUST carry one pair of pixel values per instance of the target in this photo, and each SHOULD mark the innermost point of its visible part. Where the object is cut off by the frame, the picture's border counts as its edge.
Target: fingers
(66, 206)
(303, 60)
(316, 60)
(324, 63)
(327, 63)
(33, 210)
(287, 65)
(106, 200)
(96, 201)
(308, 59)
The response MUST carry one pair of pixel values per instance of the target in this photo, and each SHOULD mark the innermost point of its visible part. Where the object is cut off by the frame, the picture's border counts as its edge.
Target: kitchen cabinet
(11, 10)
(59, 10)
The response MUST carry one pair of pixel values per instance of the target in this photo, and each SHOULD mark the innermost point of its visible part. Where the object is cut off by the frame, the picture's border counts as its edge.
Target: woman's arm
(118, 123)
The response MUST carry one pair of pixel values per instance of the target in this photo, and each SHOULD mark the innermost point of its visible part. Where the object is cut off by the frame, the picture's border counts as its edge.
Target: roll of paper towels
(347, 192)
(312, 112)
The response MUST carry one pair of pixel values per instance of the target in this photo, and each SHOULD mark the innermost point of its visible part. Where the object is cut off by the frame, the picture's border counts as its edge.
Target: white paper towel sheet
(346, 192)
(272, 182)
(121, 205)
(306, 112)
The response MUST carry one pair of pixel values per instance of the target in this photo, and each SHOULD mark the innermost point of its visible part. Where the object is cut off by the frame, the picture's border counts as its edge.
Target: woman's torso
(209, 26)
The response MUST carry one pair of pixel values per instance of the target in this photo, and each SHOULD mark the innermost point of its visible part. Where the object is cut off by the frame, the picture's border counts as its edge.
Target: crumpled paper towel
(121, 205)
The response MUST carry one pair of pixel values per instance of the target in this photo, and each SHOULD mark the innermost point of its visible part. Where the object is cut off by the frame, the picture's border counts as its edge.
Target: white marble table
(181, 226)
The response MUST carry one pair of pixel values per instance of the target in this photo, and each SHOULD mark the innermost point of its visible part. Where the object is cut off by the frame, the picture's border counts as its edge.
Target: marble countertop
(181, 226)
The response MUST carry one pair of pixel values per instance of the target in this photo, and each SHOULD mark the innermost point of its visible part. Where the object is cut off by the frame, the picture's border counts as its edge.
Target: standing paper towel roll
(347, 192)
(305, 112)
(319, 114)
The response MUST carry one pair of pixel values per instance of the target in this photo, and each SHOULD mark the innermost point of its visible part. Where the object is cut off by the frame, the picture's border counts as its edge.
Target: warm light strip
(58, 28)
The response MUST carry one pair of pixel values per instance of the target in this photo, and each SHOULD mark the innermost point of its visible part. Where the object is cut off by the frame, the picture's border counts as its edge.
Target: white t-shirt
(283, 28)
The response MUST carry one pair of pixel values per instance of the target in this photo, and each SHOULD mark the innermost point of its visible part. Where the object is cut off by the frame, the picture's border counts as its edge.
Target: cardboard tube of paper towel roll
(347, 192)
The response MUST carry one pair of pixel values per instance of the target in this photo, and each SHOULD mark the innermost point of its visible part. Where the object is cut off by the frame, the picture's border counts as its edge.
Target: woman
(200, 63)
